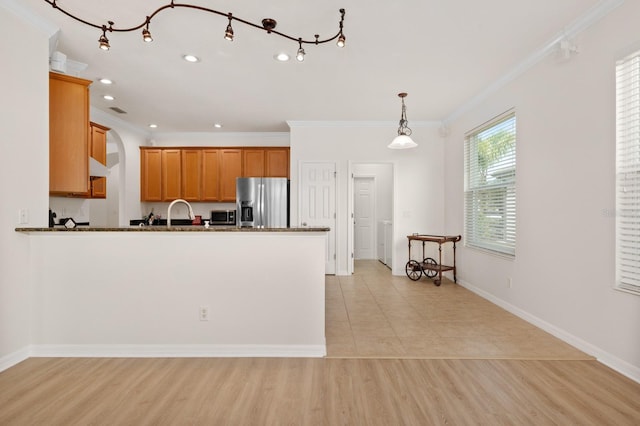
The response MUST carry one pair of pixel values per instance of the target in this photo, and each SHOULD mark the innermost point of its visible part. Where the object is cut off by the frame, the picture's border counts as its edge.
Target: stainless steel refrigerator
(262, 202)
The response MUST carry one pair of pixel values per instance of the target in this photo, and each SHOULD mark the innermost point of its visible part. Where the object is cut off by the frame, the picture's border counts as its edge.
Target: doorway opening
(371, 213)
(109, 212)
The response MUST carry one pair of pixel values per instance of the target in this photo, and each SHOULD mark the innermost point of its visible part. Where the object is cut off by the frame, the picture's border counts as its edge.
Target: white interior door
(318, 204)
(364, 218)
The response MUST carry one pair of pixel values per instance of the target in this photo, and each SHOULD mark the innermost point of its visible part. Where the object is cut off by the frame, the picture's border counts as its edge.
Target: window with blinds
(628, 173)
(490, 186)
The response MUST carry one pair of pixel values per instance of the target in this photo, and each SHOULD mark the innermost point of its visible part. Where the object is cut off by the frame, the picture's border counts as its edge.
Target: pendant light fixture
(268, 25)
(403, 140)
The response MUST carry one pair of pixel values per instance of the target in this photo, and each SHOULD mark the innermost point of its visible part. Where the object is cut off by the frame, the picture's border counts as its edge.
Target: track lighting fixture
(228, 34)
(341, 37)
(103, 40)
(403, 140)
(146, 34)
(267, 25)
(300, 54)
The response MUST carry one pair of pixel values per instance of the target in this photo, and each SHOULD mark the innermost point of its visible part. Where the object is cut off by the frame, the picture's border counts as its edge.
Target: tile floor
(373, 314)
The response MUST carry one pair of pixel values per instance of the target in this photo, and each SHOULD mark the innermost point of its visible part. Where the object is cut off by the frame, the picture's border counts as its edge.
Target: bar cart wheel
(413, 270)
(429, 272)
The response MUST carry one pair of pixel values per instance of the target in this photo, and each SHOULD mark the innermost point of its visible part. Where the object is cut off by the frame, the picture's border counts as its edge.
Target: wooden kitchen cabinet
(276, 162)
(230, 169)
(160, 174)
(210, 174)
(171, 174)
(205, 174)
(265, 162)
(191, 174)
(150, 174)
(98, 151)
(253, 162)
(68, 135)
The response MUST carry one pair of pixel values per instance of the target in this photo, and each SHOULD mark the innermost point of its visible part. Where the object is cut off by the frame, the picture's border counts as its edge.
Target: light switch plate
(23, 216)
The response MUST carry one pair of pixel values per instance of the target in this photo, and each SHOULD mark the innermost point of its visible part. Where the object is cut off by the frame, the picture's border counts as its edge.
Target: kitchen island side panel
(261, 290)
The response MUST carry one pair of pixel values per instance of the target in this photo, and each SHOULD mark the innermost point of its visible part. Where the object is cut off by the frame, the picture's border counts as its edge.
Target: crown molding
(583, 22)
(361, 124)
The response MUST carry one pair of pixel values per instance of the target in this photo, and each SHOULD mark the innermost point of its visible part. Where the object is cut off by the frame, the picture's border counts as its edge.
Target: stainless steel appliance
(223, 217)
(262, 202)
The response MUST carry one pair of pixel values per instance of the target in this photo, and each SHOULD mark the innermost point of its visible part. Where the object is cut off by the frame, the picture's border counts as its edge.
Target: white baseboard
(621, 366)
(14, 358)
(179, 351)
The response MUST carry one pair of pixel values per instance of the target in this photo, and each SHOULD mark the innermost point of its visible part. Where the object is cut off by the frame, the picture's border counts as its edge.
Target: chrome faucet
(179, 200)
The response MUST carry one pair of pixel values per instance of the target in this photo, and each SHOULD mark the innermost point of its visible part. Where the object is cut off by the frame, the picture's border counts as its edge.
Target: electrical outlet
(509, 282)
(204, 313)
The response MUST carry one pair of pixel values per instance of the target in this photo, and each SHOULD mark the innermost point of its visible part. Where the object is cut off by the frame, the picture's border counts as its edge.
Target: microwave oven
(223, 217)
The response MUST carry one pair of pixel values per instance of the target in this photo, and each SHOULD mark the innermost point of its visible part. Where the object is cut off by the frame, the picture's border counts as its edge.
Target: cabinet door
(210, 175)
(68, 135)
(99, 152)
(230, 169)
(151, 174)
(277, 162)
(171, 174)
(192, 174)
(253, 162)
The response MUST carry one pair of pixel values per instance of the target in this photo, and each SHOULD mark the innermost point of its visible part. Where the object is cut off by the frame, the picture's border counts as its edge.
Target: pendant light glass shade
(403, 140)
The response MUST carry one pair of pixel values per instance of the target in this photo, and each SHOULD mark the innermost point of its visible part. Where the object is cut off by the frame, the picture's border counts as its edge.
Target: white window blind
(490, 185)
(628, 173)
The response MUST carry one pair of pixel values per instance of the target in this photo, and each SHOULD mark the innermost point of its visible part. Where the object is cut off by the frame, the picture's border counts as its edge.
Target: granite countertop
(171, 229)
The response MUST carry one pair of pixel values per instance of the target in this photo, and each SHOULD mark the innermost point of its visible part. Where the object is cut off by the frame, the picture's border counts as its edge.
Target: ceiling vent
(118, 110)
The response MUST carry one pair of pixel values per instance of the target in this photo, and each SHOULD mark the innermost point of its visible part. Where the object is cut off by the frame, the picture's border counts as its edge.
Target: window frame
(627, 211)
(485, 192)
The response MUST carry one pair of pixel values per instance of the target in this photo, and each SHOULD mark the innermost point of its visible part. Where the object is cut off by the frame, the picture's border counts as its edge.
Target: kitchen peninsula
(179, 291)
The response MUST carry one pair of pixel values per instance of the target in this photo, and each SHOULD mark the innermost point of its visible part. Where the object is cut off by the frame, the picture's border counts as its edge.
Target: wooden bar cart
(428, 266)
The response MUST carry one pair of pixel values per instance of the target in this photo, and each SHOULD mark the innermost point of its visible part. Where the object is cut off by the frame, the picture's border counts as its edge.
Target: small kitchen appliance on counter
(223, 217)
(262, 202)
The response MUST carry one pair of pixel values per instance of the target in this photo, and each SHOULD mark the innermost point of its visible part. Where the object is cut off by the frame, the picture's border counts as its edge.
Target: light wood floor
(365, 384)
(303, 391)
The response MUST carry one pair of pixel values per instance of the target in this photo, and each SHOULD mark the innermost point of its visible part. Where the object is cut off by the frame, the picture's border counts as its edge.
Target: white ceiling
(442, 53)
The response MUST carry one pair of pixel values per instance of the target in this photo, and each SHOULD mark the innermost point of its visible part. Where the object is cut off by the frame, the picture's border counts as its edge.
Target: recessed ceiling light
(108, 97)
(282, 57)
(191, 58)
(153, 126)
(105, 81)
(217, 125)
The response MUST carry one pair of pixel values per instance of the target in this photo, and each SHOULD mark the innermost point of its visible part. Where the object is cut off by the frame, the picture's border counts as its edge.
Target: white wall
(219, 139)
(563, 272)
(418, 177)
(24, 172)
(149, 304)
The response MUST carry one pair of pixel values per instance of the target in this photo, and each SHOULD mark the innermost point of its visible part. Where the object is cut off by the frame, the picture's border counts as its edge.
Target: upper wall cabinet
(98, 150)
(265, 162)
(171, 174)
(151, 174)
(68, 135)
(230, 169)
(205, 174)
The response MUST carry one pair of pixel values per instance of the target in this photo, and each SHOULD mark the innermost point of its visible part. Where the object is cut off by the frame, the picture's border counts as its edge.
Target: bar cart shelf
(428, 266)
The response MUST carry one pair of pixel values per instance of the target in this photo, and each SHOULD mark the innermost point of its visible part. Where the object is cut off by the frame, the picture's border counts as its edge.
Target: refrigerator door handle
(261, 202)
